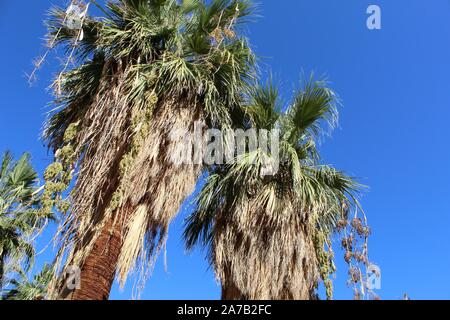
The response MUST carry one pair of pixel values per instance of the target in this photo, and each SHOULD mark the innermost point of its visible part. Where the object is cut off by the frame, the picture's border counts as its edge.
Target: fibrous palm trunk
(99, 269)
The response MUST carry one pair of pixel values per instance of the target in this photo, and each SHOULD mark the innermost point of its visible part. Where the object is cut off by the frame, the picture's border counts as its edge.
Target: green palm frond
(23, 289)
(21, 178)
(6, 162)
(314, 105)
(265, 107)
(190, 5)
(198, 225)
(18, 218)
(17, 181)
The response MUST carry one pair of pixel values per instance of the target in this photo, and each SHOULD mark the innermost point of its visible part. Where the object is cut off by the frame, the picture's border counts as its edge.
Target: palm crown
(255, 225)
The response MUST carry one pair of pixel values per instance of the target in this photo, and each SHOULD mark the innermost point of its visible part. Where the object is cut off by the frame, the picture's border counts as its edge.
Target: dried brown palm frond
(275, 260)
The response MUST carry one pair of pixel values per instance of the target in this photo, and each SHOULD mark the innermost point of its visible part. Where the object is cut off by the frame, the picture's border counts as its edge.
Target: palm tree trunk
(99, 269)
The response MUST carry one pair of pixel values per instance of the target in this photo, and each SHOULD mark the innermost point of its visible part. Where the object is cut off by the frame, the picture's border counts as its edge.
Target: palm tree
(17, 212)
(23, 289)
(269, 237)
(147, 67)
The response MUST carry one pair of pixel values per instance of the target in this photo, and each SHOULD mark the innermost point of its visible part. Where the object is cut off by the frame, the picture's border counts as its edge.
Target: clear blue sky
(394, 131)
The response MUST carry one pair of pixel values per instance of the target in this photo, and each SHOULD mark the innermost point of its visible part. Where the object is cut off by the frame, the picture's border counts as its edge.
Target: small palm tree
(23, 289)
(147, 67)
(17, 212)
(269, 237)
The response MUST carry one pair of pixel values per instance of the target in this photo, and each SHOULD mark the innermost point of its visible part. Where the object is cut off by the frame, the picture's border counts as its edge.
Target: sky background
(394, 127)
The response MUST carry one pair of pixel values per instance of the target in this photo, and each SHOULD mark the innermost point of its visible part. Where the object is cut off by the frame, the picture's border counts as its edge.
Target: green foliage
(312, 106)
(18, 213)
(23, 289)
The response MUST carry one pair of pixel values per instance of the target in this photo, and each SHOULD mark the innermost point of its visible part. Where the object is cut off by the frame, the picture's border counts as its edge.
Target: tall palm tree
(147, 67)
(269, 236)
(24, 289)
(17, 212)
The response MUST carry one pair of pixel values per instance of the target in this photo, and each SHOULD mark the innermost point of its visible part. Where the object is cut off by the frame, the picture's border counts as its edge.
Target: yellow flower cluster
(58, 175)
(141, 127)
(326, 263)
